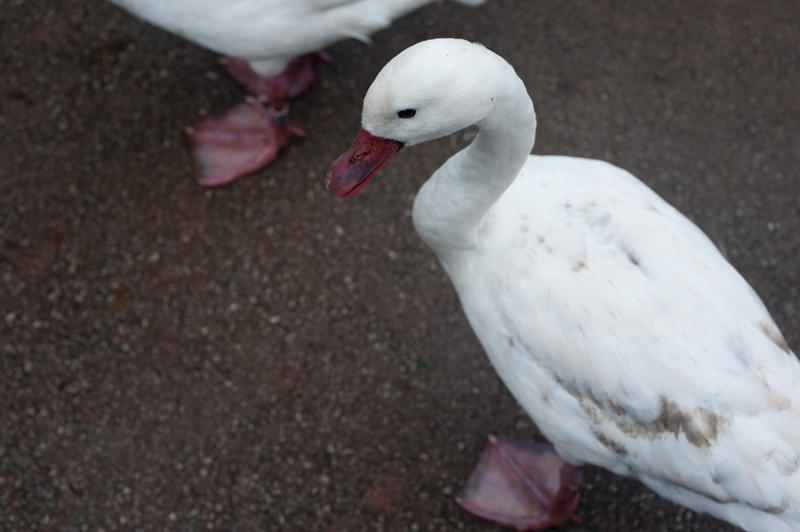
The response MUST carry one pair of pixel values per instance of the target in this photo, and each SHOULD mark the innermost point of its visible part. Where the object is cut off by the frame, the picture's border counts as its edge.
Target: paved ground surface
(267, 357)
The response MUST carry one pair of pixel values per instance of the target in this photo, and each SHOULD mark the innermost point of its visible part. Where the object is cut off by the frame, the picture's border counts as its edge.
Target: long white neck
(451, 205)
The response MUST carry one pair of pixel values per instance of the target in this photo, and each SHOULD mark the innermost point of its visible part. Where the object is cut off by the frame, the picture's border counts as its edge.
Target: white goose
(265, 37)
(615, 322)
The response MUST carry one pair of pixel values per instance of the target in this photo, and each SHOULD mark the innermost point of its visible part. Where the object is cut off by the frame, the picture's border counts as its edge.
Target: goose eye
(406, 113)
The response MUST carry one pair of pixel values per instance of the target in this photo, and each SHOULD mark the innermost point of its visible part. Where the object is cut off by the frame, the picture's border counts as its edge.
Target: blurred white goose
(271, 41)
(611, 317)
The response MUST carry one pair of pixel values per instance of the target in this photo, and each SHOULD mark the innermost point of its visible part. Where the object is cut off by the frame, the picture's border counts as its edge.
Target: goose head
(429, 90)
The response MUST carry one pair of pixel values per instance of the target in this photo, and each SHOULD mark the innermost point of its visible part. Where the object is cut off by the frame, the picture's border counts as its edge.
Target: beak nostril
(359, 155)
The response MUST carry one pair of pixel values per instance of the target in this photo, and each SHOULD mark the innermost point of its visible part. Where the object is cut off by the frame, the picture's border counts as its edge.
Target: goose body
(272, 51)
(614, 321)
(268, 33)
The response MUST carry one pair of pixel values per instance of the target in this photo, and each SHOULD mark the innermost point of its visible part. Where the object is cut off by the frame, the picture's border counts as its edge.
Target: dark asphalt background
(267, 357)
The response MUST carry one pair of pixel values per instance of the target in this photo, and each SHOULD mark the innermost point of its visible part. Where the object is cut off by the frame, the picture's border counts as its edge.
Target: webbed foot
(523, 485)
(242, 140)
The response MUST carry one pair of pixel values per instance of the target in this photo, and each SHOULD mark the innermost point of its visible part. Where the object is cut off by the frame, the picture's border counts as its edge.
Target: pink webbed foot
(293, 82)
(242, 140)
(522, 485)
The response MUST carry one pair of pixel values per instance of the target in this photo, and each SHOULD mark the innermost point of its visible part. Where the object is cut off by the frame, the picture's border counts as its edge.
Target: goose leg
(249, 136)
(295, 80)
(522, 485)
(242, 140)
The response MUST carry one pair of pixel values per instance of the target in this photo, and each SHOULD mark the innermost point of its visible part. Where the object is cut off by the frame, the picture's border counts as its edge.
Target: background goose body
(614, 321)
(272, 42)
(269, 33)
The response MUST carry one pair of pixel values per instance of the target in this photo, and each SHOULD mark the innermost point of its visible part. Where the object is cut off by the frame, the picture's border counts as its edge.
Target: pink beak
(351, 171)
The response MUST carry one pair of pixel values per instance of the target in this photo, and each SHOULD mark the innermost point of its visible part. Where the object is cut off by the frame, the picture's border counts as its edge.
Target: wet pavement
(265, 356)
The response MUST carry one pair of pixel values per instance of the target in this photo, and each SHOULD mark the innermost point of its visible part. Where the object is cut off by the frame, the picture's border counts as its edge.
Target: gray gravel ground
(267, 357)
